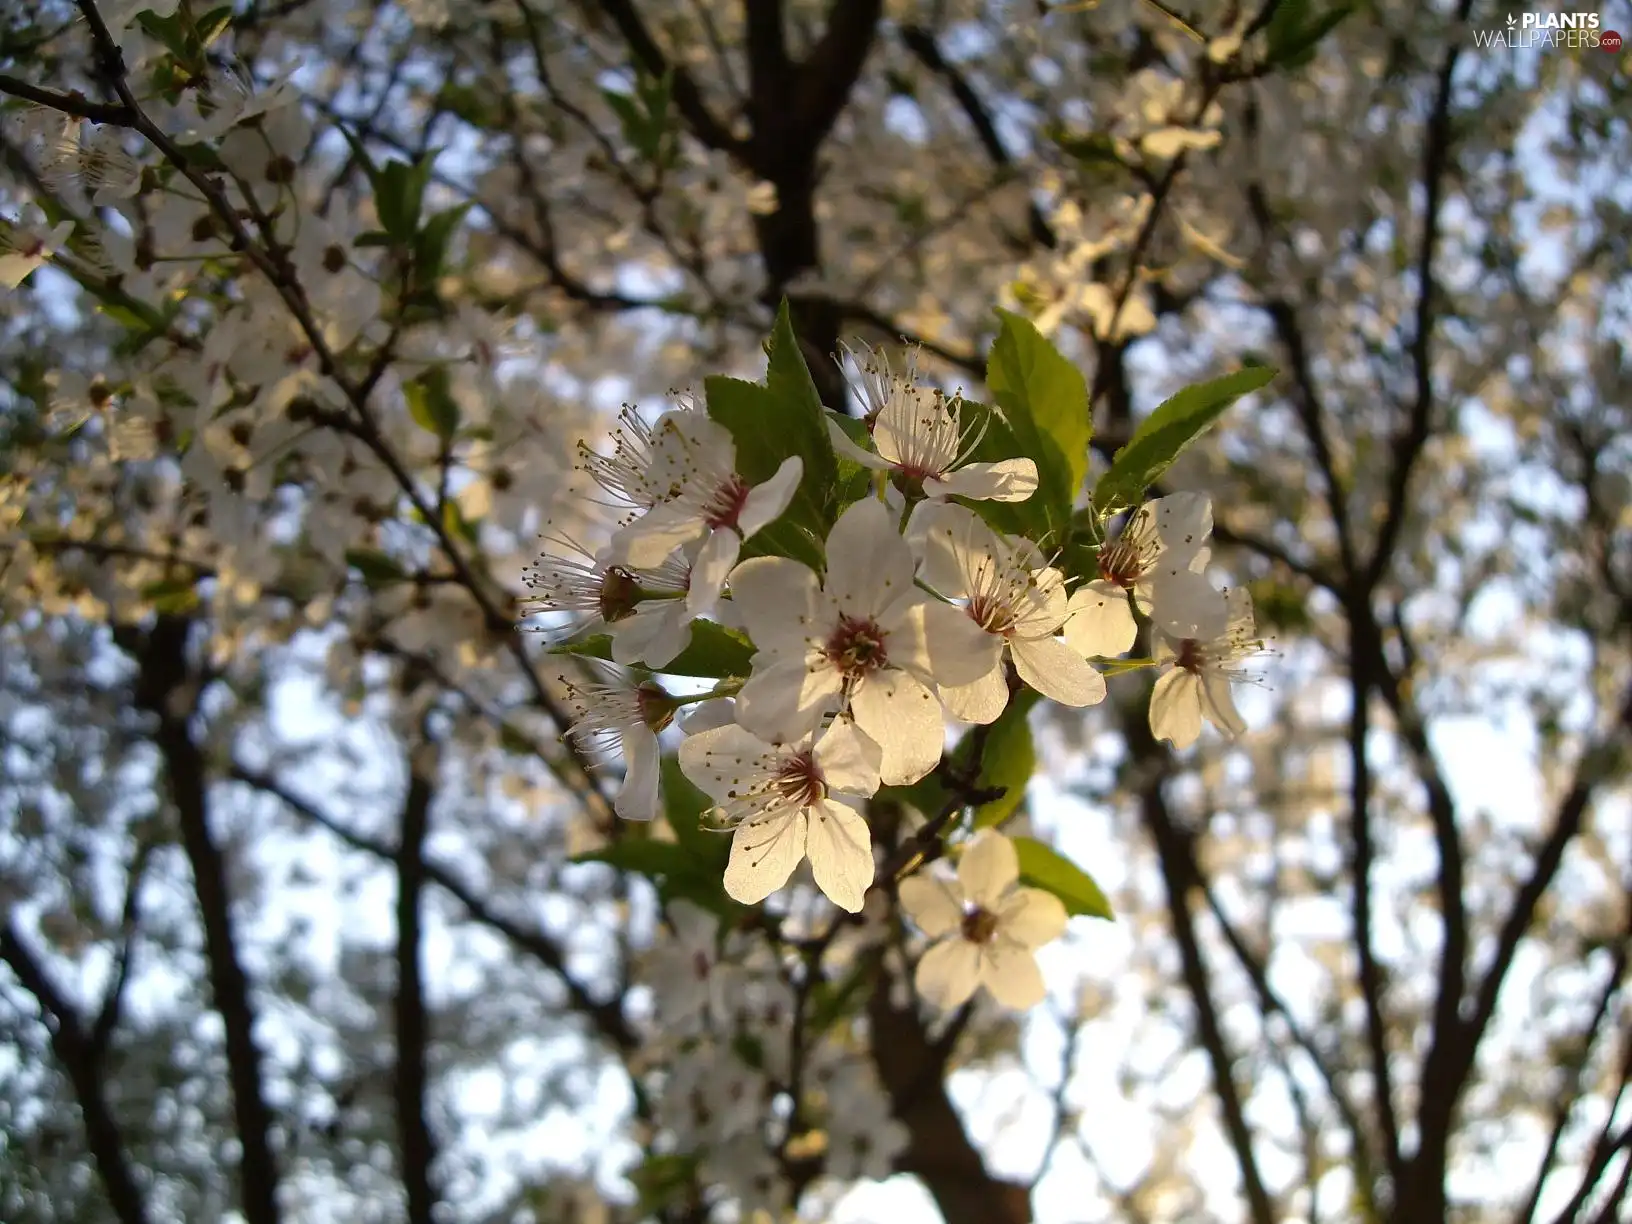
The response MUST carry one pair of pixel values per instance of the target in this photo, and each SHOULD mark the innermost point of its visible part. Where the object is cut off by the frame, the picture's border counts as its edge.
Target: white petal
(785, 699)
(869, 565)
(1185, 604)
(725, 761)
(904, 719)
(848, 758)
(1099, 621)
(707, 715)
(948, 973)
(637, 796)
(1175, 707)
(1031, 917)
(764, 851)
(1044, 608)
(1010, 972)
(657, 632)
(840, 847)
(1184, 521)
(1056, 671)
(959, 650)
(847, 448)
(1218, 704)
(980, 702)
(710, 570)
(953, 543)
(647, 542)
(987, 868)
(934, 906)
(777, 600)
(1007, 480)
(766, 502)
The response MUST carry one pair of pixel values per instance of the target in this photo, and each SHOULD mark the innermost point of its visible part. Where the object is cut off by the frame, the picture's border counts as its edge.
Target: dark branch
(82, 1063)
(162, 689)
(418, 1151)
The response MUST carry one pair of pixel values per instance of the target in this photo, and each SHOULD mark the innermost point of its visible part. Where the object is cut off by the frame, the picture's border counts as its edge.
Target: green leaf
(1294, 33)
(1164, 434)
(431, 244)
(1046, 868)
(378, 569)
(659, 1179)
(431, 403)
(767, 431)
(399, 194)
(1045, 400)
(714, 651)
(1008, 761)
(788, 378)
(171, 595)
(214, 24)
(1029, 518)
(683, 807)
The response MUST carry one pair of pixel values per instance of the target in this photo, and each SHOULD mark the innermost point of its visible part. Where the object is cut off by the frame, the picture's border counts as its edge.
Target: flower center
(857, 647)
(993, 614)
(1190, 656)
(619, 595)
(800, 780)
(979, 925)
(1121, 563)
(656, 706)
(727, 502)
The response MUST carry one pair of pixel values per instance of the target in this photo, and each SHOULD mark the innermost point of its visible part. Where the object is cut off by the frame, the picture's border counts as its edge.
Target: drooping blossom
(617, 716)
(1196, 683)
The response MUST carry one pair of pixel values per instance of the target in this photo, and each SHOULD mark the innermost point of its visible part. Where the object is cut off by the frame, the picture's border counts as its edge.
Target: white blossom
(918, 432)
(1157, 558)
(1014, 598)
(682, 473)
(621, 717)
(779, 799)
(985, 925)
(1200, 671)
(648, 612)
(25, 247)
(867, 640)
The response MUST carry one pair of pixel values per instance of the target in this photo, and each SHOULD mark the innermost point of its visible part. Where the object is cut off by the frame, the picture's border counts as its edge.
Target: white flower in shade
(868, 641)
(1158, 558)
(693, 974)
(1014, 598)
(918, 432)
(24, 248)
(780, 800)
(623, 717)
(682, 473)
(985, 925)
(1197, 682)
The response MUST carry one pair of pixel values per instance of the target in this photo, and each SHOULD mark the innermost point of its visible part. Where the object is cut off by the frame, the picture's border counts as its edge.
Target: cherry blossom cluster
(921, 612)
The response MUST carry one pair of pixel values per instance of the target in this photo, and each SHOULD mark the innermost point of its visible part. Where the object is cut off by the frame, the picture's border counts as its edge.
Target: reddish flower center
(1119, 563)
(992, 615)
(800, 780)
(727, 503)
(1189, 656)
(857, 647)
(979, 925)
